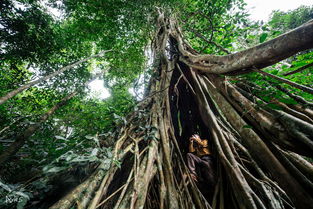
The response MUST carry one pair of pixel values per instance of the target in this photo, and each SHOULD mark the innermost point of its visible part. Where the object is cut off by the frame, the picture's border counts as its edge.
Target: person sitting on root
(200, 161)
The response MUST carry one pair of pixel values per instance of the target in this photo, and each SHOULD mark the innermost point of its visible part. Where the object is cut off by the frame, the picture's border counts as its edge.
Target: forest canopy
(172, 68)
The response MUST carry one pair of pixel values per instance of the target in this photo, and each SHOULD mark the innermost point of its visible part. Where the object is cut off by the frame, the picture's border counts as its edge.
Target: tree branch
(298, 86)
(259, 57)
(47, 77)
(299, 69)
(199, 35)
(291, 95)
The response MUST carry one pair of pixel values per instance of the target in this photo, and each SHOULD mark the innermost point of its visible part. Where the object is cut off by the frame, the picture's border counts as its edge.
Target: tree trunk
(152, 146)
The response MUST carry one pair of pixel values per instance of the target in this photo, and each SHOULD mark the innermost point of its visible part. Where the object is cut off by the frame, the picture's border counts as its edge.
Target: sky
(97, 89)
(259, 10)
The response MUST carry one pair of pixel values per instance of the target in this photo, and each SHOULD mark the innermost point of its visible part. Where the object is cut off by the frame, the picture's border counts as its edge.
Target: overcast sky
(259, 10)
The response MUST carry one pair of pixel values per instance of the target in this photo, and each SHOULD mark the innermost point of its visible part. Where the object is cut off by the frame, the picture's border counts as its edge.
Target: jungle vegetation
(192, 66)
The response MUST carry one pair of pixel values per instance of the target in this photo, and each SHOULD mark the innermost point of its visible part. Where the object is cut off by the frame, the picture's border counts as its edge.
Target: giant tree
(258, 149)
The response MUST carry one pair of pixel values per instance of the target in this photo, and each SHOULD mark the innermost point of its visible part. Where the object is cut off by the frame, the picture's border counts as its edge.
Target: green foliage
(27, 32)
(263, 37)
(264, 87)
(70, 159)
(279, 23)
(283, 21)
(253, 33)
(219, 23)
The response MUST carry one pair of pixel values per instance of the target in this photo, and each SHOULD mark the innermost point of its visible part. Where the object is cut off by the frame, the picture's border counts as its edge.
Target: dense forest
(173, 68)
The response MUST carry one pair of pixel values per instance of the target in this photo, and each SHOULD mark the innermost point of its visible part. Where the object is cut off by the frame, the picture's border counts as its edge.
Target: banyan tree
(262, 153)
(259, 167)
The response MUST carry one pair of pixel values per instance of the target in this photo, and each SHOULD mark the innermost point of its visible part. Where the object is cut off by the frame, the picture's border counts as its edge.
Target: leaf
(288, 101)
(276, 33)
(94, 152)
(22, 194)
(117, 163)
(5, 187)
(79, 159)
(107, 161)
(263, 37)
(119, 118)
(54, 169)
(94, 138)
(107, 164)
(109, 154)
(89, 137)
(70, 157)
(247, 126)
(21, 202)
(60, 137)
(93, 158)
(264, 28)
(274, 72)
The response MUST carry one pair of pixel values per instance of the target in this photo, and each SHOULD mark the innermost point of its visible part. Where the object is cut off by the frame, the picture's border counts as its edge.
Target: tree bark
(258, 57)
(263, 155)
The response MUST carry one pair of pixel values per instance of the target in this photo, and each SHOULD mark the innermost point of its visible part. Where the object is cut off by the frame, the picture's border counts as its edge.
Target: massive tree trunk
(257, 165)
